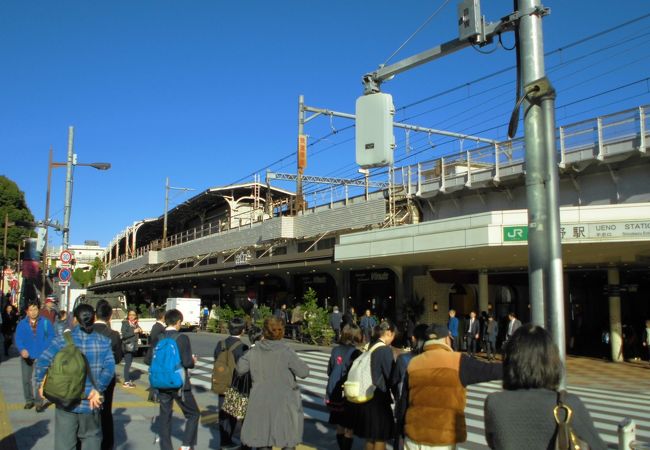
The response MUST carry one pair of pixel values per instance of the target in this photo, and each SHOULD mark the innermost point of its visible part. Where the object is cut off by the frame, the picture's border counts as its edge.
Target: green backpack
(65, 382)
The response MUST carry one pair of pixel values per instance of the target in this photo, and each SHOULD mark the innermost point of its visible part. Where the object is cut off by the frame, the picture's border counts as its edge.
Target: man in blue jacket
(33, 335)
(452, 326)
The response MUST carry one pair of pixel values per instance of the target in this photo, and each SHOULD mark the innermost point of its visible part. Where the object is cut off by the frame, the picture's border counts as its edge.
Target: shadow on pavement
(26, 437)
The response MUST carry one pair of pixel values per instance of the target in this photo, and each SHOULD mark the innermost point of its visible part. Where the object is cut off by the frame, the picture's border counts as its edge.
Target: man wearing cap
(435, 392)
(49, 312)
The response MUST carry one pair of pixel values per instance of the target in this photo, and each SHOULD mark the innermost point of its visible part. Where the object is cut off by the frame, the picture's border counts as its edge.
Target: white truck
(117, 300)
(191, 309)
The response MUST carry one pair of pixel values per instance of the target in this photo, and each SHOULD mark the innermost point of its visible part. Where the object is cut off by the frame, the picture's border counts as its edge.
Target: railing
(593, 136)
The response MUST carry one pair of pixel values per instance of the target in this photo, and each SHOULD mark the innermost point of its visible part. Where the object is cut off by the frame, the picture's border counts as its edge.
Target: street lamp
(69, 164)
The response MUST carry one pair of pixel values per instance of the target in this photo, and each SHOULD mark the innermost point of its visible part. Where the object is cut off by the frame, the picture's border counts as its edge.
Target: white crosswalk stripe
(607, 407)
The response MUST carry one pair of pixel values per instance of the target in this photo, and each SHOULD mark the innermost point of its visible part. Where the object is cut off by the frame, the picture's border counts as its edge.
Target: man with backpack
(73, 373)
(33, 335)
(172, 357)
(226, 355)
(102, 326)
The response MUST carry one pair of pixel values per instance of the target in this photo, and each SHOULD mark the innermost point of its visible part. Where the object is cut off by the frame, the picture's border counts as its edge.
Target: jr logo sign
(513, 234)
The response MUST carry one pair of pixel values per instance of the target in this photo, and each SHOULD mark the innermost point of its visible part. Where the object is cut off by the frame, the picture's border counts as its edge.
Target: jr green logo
(513, 234)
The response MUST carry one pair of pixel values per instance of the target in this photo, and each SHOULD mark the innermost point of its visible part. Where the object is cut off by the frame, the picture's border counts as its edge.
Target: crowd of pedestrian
(376, 393)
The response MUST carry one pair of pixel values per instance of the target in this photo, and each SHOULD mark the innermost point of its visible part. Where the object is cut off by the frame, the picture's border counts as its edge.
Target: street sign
(64, 283)
(65, 275)
(514, 234)
(65, 257)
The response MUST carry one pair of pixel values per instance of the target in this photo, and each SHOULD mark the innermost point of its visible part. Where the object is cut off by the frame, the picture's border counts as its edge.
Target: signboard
(302, 151)
(65, 257)
(515, 234)
(64, 283)
(65, 274)
(242, 258)
(576, 232)
(606, 230)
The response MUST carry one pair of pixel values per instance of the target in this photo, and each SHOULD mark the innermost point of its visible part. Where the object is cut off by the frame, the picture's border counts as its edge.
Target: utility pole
(542, 180)
(167, 189)
(164, 233)
(68, 189)
(44, 257)
(542, 185)
(302, 153)
(4, 254)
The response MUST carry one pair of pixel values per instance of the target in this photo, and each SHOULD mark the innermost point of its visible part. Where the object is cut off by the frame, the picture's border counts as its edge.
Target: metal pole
(301, 129)
(4, 255)
(555, 282)
(164, 235)
(532, 68)
(68, 206)
(46, 224)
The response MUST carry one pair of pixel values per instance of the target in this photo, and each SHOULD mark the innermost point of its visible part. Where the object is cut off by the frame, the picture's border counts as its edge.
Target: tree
(12, 203)
(84, 277)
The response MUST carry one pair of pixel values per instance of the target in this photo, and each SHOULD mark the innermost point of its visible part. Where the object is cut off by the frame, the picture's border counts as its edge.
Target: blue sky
(206, 92)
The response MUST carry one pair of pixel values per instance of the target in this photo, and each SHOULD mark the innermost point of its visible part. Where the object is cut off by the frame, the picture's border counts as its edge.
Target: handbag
(128, 347)
(565, 437)
(235, 402)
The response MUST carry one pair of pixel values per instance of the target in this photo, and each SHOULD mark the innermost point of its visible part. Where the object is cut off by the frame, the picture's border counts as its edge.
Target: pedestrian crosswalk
(607, 407)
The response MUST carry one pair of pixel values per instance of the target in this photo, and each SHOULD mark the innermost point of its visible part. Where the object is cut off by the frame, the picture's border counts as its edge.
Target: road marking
(7, 438)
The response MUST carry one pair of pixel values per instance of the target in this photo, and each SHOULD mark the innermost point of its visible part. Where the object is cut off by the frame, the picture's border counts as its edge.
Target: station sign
(575, 232)
(243, 258)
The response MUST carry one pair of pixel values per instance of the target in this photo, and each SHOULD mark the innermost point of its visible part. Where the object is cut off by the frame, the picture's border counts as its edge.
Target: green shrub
(316, 325)
(263, 312)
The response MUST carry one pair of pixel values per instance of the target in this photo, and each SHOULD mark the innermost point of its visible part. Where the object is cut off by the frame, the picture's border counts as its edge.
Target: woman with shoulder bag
(523, 415)
(274, 417)
(130, 333)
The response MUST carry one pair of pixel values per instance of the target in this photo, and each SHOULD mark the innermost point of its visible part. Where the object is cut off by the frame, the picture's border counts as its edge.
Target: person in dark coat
(130, 333)
(274, 417)
(490, 333)
(9, 321)
(375, 422)
(156, 330)
(367, 324)
(103, 314)
(341, 359)
(233, 343)
(335, 322)
(472, 333)
(513, 325)
(532, 370)
(350, 317)
(183, 397)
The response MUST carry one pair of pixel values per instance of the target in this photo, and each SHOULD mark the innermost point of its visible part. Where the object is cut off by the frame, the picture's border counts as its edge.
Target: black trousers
(471, 344)
(227, 424)
(108, 434)
(187, 404)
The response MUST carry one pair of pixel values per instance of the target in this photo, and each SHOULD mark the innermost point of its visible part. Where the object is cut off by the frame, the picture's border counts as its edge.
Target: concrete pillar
(615, 326)
(483, 294)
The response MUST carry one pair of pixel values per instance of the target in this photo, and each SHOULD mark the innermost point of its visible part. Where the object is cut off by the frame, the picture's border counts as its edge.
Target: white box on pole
(375, 141)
